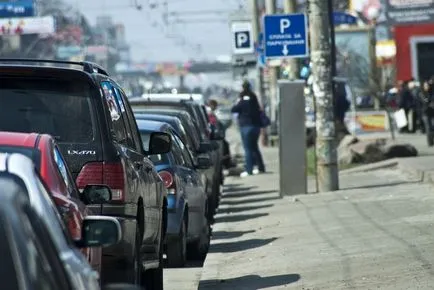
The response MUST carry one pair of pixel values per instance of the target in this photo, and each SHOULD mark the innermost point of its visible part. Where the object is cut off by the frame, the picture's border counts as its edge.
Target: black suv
(209, 140)
(88, 114)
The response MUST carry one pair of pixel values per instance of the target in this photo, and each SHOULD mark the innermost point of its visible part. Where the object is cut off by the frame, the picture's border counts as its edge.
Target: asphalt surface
(375, 233)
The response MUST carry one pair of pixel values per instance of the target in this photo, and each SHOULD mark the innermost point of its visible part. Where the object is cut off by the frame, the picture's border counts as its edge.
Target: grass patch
(311, 162)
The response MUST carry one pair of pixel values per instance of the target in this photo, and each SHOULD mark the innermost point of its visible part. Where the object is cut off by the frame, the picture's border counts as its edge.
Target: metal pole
(290, 6)
(375, 82)
(332, 38)
(256, 32)
(259, 71)
(327, 168)
(270, 8)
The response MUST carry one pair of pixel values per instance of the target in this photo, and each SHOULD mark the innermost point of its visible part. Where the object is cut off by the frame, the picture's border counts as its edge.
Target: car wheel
(199, 249)
(177, 249)
(154, 277)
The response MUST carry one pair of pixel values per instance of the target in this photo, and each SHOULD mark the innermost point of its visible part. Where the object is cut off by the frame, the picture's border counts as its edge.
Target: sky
(151, 40)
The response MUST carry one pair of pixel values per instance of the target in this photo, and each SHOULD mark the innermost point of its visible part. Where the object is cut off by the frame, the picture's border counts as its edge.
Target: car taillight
(111, 174)
(169, 181)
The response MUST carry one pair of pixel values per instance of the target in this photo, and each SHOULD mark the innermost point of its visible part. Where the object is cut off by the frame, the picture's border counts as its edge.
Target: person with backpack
(250, 123)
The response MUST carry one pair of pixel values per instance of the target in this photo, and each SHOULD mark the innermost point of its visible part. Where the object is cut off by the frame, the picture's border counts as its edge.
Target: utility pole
(270, 8)
(319, 28)
(256, 27)
(256, 31)
(290, 6)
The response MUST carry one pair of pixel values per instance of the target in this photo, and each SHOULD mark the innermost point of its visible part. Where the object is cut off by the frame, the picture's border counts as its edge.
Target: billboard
(409, 11)
(17, 8)
(27, 25)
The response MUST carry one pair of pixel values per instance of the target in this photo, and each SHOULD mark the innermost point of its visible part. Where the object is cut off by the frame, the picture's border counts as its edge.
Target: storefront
(415, 51)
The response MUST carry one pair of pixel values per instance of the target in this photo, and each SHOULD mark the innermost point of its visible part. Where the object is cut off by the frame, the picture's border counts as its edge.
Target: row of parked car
(103, 186)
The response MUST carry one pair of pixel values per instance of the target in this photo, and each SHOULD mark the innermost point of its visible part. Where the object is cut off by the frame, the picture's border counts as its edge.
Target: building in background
(413, 25)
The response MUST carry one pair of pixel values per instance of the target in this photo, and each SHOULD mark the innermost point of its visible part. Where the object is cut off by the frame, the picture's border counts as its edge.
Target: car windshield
(61, 108)
(157, 159)
(32, 153)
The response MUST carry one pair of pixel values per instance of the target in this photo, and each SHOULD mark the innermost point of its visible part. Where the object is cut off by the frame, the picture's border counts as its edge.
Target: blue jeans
(250, 138)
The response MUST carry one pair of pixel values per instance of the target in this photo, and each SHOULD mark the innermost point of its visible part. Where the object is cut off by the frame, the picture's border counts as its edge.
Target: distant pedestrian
(427, 100)
(217, 125)
(341, 107)
(407, 103)
(249, 121)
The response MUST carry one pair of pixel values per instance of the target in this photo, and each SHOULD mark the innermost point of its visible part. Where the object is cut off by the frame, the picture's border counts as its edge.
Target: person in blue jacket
(249, 120)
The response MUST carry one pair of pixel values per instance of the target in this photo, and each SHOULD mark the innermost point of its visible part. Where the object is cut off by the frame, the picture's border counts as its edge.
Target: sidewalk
(375, 233)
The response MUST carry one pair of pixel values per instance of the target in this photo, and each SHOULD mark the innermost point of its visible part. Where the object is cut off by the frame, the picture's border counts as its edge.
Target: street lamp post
(373, 13)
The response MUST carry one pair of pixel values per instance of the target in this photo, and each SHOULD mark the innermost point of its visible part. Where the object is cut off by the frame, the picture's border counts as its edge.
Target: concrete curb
(390, 163)
(411, 170)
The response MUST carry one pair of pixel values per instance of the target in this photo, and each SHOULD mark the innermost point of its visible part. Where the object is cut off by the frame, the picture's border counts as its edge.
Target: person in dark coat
(427, 100)
(249, 120)
(406, 102)
(341, 106)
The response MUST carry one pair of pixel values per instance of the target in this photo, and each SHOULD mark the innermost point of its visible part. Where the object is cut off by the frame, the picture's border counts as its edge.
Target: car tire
(177, 249)
(198, 250)
(153, 278)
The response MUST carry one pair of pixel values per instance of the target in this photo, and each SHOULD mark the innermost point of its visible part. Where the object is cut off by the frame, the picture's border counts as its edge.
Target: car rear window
(157, 159)
(61, 108)
(32, 153)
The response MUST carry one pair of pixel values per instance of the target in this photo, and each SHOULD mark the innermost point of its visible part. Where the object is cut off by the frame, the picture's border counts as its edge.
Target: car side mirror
(205, 147)
(99, 231)
(203, 162)
(122, 286)
(159, 143)
(96, 194)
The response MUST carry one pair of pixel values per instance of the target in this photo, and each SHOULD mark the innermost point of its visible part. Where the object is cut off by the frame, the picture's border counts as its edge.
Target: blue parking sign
(286, 36)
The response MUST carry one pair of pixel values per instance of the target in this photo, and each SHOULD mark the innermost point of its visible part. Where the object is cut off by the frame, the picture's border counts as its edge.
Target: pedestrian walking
(417, 106)
(250, 124)
(341, 107)
(427, 100)
(406, 102)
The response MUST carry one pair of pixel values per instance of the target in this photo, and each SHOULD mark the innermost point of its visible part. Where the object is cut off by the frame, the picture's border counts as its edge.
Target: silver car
(97, 231)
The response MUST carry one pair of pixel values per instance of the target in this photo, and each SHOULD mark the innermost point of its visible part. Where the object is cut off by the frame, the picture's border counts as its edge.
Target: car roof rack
(88, 67)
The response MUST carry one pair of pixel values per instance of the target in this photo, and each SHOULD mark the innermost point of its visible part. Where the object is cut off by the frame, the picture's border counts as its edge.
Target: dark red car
(43, 150)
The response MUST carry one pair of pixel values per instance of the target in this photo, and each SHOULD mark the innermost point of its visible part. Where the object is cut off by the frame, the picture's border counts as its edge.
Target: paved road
(375, 233)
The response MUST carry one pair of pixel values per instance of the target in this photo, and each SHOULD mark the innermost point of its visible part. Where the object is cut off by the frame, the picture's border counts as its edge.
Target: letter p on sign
(242, 39)
(284, 24)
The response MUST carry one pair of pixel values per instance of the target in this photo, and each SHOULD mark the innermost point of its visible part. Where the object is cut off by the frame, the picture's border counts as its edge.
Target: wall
(403, 49)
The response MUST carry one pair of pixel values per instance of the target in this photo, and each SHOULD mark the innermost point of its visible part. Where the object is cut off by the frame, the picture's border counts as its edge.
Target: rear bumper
(174, 221)
(123, 252)
(175, 215)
